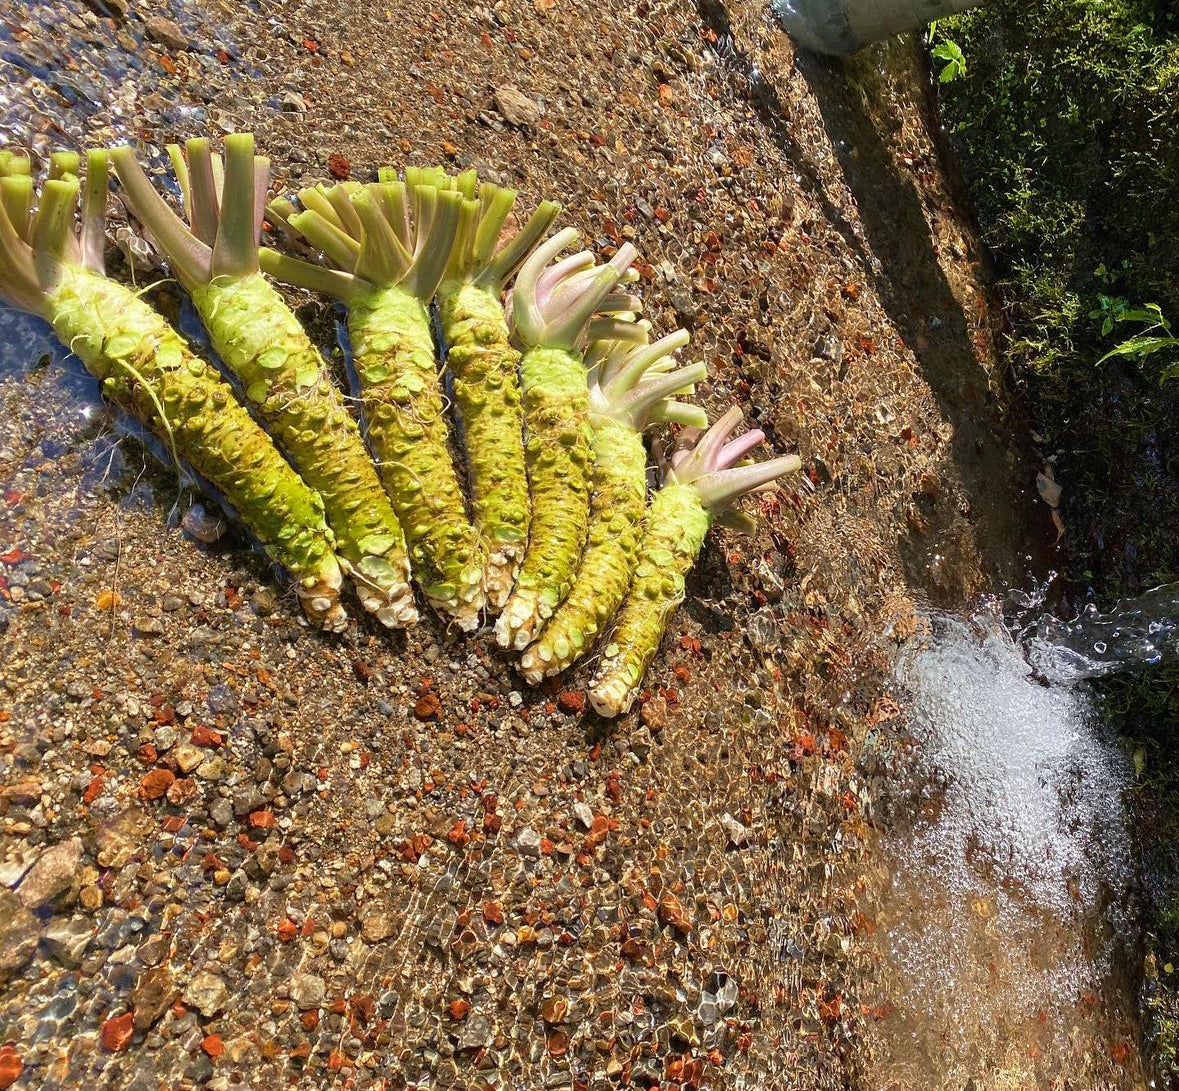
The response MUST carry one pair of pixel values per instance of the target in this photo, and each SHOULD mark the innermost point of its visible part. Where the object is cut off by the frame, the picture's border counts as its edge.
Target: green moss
(1066, 129)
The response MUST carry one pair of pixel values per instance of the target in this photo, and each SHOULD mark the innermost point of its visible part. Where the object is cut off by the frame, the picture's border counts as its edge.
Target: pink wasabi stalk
(553, 318)
(263, 344)
(701, 484)
(48, 269)
(386, 246)
(482, 363)
(630, 387)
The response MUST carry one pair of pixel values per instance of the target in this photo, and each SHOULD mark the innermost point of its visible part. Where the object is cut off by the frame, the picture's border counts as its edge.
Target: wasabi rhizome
(385, 247)
(51, 269)
(262, 343)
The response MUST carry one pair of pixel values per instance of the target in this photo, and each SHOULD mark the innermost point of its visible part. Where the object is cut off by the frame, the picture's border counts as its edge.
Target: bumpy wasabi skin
(615, 522)
(144, 366)
(393, 354)
(559, 456)
(554, 316)
(281, 371)
(674, 535)
(483, 365)
(702, 482)
(386, 245)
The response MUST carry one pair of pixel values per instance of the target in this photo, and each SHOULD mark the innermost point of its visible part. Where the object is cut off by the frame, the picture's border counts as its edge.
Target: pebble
(153, 994)
(516, 107)
(528, 842)
(207, 992)
(166, 32)
(308, 991)
(67, 939)
(737, 833)
(221, 812)
(476, 1033)
(376, 925)
(18, 934)
(54, 877)
(188, 757)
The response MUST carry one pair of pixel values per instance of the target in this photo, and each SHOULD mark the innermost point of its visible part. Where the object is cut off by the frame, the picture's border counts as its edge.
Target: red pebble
(117, 1032)
(156, 783)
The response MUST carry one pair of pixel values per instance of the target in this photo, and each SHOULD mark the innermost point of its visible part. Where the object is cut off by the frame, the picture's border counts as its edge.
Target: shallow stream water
(1007, 931)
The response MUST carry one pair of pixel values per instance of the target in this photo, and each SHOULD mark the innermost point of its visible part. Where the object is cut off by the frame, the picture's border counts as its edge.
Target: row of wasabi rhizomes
(553, 377)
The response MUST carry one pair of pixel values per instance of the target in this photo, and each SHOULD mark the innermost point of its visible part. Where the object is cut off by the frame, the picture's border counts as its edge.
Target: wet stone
(207, 992)
(221, 812)
(376, 925)
(516, 107)
(476, 1033)
(166, 32)
(54, 877)
(152, 996)
(188, 757)
(18, 934)
(119, 839)
(736, 832)
(222, 699)
(67, 940)
(308, 990)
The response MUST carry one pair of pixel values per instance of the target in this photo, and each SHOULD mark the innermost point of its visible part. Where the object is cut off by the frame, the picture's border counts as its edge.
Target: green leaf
(1141, 346)
(955, 65)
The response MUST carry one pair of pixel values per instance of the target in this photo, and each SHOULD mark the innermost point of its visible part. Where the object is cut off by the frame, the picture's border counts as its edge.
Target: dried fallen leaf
(1050, 492)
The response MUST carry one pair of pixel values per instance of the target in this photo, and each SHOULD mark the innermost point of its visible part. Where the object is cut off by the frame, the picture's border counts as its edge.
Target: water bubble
(1010, 862)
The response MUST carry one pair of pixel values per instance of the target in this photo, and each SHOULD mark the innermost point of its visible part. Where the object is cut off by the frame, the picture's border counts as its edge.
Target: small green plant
(1156, 337)
(948, 51)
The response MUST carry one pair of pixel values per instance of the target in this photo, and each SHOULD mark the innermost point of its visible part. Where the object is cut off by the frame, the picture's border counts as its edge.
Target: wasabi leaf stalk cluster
(502, 466)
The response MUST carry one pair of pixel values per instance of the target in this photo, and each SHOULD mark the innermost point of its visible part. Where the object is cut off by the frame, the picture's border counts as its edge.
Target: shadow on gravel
(897, 251)
(912, 287)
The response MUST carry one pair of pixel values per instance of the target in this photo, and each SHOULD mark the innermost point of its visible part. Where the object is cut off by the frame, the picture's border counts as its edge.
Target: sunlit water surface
(1008, 921)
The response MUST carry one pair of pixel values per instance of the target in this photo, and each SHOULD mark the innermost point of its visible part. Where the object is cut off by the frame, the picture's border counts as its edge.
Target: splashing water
(1010, 892)
(1142, 630)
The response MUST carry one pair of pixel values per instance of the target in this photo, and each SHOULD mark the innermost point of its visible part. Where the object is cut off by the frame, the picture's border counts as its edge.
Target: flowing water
(1139, 631)
(1007, 927)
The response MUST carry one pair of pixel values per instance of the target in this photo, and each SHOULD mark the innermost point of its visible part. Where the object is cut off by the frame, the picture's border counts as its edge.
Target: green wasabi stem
(52, 271)
(630, 387)
(700, 485)
(483, 364)
(388, 245)
(285, 379)
(553, 314)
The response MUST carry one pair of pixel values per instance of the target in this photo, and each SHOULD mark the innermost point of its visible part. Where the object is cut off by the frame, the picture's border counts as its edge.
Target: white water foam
(1011, 869)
